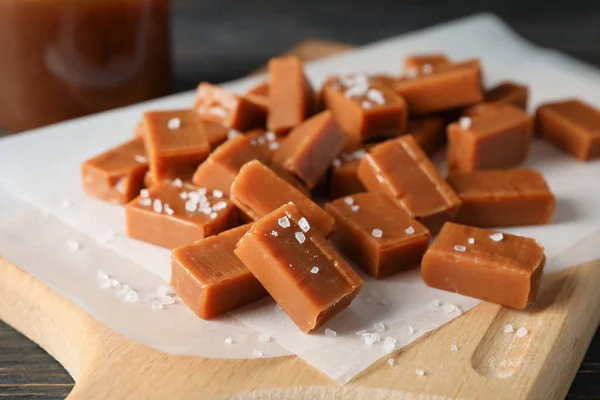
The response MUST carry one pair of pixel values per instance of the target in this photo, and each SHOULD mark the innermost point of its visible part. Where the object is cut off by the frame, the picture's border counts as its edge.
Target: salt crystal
(232, 133)
(113, 283)
(390, 361)
(146, 202)
(460, 248)
(522, 332)
(73, 245)
(167, 300)
(410, 230)
(156, 305)
(168, 209)
(183, 195)
(376, 96)
(157, 206)
(273, 146)
(263, 337)
(66, 203)
(368, 340)
(101, 275)
(221, 205)
(120, 186)
(366, 105)
(217, 193)
(178, 182)
(140, 159)
(435, 303)
(349, 200)
(284, 222)
(202, 191)
(218, 111)
(361, 332)
(164, 290)
(228, 340)
(380, 326)
(377, 233)
(427, 68)
(355, 207)
(410, 330)
(270, 136)
(359, 154)
(464, 122)
(330, 333)
(303, 224)
(213, 215)
(389, 344)
(174, 123)
(497, 237)
(508, 328)
(274, 233)
(454, 347)
(261, 140)
(257, 353)
(420, 372)
(278, 307)
(375, 337)
(336, 163)
(300, 237)
(411, 73)
(470, 240)
(314, 270)
(449, 308)
(131, 296)
(191, 206)
(144, 193)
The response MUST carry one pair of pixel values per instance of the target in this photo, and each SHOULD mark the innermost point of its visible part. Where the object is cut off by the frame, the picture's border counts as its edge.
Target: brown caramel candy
(424, 63)
(428, 132)
(259, 95)
(310, 148)
(176, 143)
(344, 174)
(117, 175)
(490, 140)
(502, 197)
(173, 214)
(499, 268)
(222, 165)
(508, 93)
(364, 108)
(257, 191)
(216, 104)
(444, 88)
(572, 125)
(215, 132)
(376, 234)
(209, 277)
(400, 170)
(138, 130)
(298, 267)
(291, 98)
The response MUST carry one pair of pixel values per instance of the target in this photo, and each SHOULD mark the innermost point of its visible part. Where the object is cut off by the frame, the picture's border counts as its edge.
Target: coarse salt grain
(420, 372)
(377, 233)
(411, 73)
(130, 296)
(183, 195)
(140, 159)
(144, 193)
(270, 136)
(336, 163)
(191, 206)
(470, 240)
(410, 330)
(314, 270)
(464, 122)
(366, 104)
(73, 245)
(257, 353)
(330, 333)
(522, 332)
(217, 193)
(508, 328)
(232, 133)
(390, 361)
(379, 326)
(410, 230)
(168, 209)
(178, 182)
(273, 146)
(101, 275)
(460, 248)
(376, 96)
(361, 332)
(497, 237)
(146, 202)
(454, 347)
(213, 215)
(389, 344)
(263, 337)
(303, 224)
(274, 233)
(228, 340)
(156, 305)
(354, 207)
(113, 283)
(427, 68)
(167, 300)
(218, 111)
(164, 290)
(284, 222)
(157, 206)
(449, 308)
(174, 123)
(300, 237)
(349, 200)
(435, 303)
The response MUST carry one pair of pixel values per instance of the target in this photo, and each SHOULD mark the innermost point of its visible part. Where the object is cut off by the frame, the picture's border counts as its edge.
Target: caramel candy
(428, 132)
(228, 109)
(344, 174)
(117, 175)
(209, 277)
(222, 165)
(444, 88)
(215, 132)
(291, 98)
(400, 170)
(257, 191)
(138, 130)
(572, 125)
(173, 214)
(490, 140)
(495, 267)
(175, 142)
(377, 235)
(502, 197)
(259, 95)
(298, 267)
(424, 63)
(310, 148)
(364, 108)
(508, 93)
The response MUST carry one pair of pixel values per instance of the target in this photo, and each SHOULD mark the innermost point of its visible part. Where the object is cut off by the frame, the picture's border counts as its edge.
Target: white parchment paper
(42, 208)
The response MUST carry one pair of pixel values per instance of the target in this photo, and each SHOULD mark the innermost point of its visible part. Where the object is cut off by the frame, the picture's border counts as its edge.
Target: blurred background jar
(61, 59)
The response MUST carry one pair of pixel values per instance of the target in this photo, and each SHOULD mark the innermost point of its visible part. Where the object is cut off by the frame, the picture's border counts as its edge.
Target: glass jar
(63, 59)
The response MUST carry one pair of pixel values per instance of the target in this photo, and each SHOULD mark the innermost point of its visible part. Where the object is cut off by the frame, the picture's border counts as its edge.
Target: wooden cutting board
(489, 364)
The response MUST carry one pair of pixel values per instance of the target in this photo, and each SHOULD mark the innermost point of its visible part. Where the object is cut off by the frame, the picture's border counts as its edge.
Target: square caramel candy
(222, 166)
(508, 93)
(310, 147)
(117, 175)
(291, 97)
(377, 235)
(417, 64)
(571, 125)
(172, 214)
(210, 279)
(216, 104)
(259, 95)
(176, 143)
(215, 132)
(490, 140)
(257, 191)
(444, 88)
(495, 267)
(428, 132)
(298, 267)
(509, 197)
(344, 174)
(364, 108)
(400, 170)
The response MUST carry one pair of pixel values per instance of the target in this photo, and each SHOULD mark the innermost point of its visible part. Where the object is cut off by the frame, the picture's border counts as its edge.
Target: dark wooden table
(221, 40)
